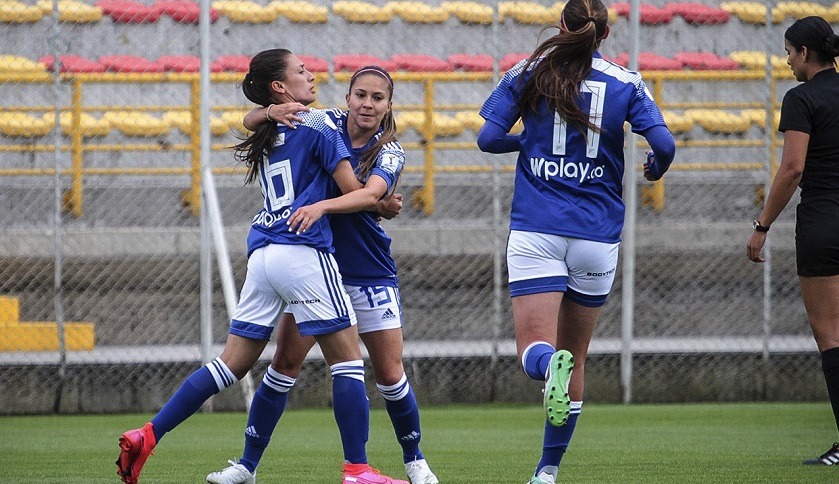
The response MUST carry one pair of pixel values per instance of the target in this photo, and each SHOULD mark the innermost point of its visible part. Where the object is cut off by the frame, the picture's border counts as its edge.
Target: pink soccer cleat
(364, 474)
(135, 446)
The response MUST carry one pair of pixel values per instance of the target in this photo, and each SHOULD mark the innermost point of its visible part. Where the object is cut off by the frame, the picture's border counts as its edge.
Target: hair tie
(591, 19)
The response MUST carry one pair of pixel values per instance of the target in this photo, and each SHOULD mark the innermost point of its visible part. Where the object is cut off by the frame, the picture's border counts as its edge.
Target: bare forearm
(254, 118)
(355, 201)
(782, 190)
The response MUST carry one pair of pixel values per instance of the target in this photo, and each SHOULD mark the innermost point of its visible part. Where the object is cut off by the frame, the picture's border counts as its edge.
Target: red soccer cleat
(364, 474)
(135, 446)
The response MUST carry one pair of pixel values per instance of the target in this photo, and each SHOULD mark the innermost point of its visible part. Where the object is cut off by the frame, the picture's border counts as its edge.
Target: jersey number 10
(597, 89)
(278, 175)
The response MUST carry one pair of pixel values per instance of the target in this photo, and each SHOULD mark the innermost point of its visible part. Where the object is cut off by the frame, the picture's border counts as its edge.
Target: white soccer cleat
(234, 474)
(419, 472)
(543, 478)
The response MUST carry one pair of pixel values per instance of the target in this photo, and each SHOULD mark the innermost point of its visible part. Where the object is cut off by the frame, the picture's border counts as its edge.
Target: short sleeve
(795, 113)
(389, 164)
(502, 105)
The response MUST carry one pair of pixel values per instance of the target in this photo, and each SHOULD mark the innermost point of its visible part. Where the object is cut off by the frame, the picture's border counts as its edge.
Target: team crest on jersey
(389, 163)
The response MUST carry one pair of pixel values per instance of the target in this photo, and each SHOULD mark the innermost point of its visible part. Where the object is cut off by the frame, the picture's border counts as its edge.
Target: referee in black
(810, 123)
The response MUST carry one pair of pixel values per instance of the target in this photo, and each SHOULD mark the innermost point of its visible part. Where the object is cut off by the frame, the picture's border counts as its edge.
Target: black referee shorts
(817, 238)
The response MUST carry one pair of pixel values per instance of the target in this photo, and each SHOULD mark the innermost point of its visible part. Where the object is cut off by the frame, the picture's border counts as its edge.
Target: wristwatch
(760, 228)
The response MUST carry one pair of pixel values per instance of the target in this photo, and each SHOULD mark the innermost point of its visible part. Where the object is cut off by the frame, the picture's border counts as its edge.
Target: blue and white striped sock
(556, 441)
(266, 410)
(351, 408)
(401, 405)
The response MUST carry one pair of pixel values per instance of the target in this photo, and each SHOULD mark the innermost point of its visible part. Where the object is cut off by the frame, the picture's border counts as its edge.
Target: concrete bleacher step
(17, 335)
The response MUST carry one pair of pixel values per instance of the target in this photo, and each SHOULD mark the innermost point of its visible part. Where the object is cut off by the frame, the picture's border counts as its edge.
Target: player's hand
(389, 207)
(651, 168)
(304, 217)
(754, 246)
(285, 113)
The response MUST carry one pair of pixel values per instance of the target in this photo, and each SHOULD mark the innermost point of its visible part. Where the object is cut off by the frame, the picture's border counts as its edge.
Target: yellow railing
(652, 195)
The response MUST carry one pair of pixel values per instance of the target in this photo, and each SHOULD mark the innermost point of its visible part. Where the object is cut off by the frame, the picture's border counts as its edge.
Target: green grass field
(708, 443)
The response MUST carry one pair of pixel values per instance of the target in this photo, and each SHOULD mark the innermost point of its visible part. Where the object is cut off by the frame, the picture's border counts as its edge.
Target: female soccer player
(810, 123)
(285, 267)
(567, 212)
(362, 250)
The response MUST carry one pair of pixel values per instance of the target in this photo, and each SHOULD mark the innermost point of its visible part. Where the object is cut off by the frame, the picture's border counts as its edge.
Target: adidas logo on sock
(388, 314)
(251, 432)
(414, 435)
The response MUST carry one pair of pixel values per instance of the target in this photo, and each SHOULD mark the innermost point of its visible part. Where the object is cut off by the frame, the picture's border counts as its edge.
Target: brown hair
(563, 61)
(388, 124)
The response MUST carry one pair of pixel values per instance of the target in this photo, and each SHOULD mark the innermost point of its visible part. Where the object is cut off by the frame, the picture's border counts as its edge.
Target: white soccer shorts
(583, 269)
(297, 276)
(376, 307)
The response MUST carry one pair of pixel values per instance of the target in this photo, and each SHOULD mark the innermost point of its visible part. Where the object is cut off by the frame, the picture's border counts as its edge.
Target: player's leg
(250, 330)
(821, 300)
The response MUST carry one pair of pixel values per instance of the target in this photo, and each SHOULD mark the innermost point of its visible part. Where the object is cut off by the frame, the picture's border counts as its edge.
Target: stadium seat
(648, 61)
(471, 62)
(14, 12)
(442, 124)
(720, 121)
(418, 12)
(233, 63)
(471, 120)
(245, 11)
(88, 125)
(25, 125)
(314, 64)
(184, 63)
(649, 14)
(72, 63)
(508, 61)
(748, 12)
(72, 11)
(705, 61)
(300, 12)
(361, 12)
(698, 13)
(130, 63)
(677, 123)
(420, 63)
(19, 65)
(530, 12)
(757, 60)
(128, 11)
(184, 11)
(469, 12)
(352, 62)
(137, 124)
(234, 121)
(182, 120)
(797, 10)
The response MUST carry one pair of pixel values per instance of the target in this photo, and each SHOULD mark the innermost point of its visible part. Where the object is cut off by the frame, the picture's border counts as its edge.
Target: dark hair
(817, 35)
(265, 67)
(561, 62)
(388, 124)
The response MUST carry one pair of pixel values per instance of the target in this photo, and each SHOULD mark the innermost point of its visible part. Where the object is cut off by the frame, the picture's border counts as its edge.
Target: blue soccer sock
(351, 408)
(266, 409)
(401, 405)
(536, 358)
(556, 441)
(205, 382)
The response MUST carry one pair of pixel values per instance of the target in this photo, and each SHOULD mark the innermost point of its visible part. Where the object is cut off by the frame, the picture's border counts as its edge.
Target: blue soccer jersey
(298, 172)
(568, 183)
(362, 248)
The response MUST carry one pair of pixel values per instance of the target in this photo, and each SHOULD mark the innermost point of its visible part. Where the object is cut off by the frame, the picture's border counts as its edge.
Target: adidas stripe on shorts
(299, 277)
(376, 307)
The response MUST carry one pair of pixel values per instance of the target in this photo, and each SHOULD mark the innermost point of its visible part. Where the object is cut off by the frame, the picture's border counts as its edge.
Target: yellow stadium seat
(418, 12)
(134, 123)
(88, 125)
(20, 65)
(245, 11)
(530, 12)
(14, 12)
(749, 12)
(797, 10)
(362, 12)
(470, 120)
(300, 12)
(72, 11)
(442, 124)
(234, 121)
(832, 14)
(720, 121)
(677, 123)
(183, 121)
(25, 125)
(755, 59)
(470, 12)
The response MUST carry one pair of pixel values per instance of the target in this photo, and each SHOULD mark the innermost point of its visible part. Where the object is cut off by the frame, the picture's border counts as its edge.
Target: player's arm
(355, 198)
(284, 113)
(390, 206)
(492, 138)
(663, 150)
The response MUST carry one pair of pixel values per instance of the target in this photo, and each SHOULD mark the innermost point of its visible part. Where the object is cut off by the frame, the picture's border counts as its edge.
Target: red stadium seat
(233, 63)
(314, 64)
(420, 63)
(705, 61)
(650, 14)
(72, 63)
(508, 61)
(185, 11)
(184, 63)
(130, 63)
(352, 62)
(697, 13)
(647, 61)
(127, 11)
(471, 63)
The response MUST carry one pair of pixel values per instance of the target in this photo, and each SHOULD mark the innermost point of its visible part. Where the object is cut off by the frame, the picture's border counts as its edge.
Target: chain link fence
(101, 196)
